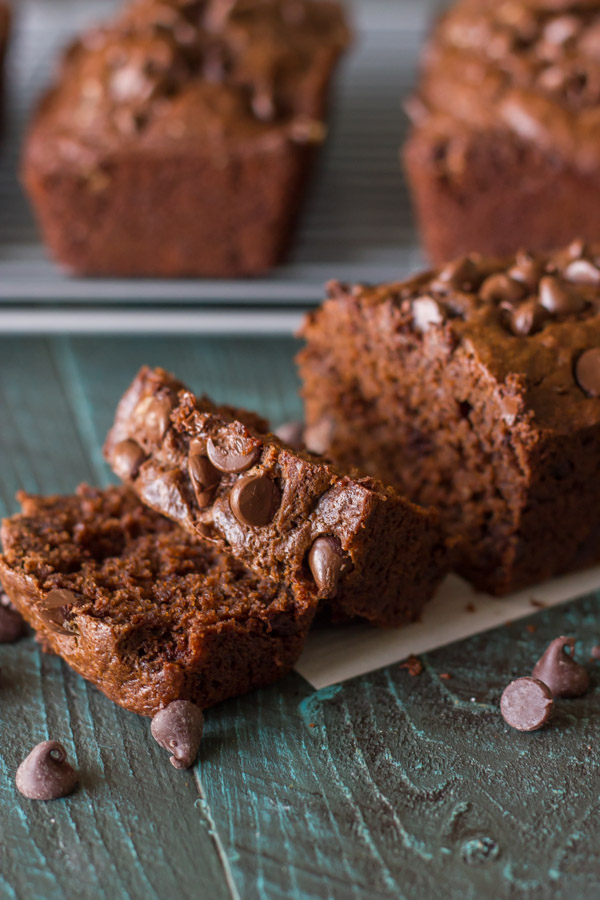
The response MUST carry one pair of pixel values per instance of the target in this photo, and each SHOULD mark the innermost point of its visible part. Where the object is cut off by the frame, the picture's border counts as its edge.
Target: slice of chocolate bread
(146, 612)
(286, 514)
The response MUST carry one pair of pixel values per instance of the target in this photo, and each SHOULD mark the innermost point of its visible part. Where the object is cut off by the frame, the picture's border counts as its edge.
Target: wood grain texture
(387, 787)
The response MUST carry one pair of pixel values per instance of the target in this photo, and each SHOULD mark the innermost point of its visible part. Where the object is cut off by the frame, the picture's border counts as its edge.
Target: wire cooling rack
(356, 224)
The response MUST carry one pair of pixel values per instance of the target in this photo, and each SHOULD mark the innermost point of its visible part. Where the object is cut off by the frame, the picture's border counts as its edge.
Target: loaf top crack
(287, 514)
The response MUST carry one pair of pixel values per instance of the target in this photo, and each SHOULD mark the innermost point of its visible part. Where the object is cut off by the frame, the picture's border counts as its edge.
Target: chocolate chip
(127, 458)
(557, 299)
(463, 274)
(557, 669)
(233, 453)
(12, 626)
(426, 313)
(153, 415)
(587, 372)
(526, 704)
(51, 610)
(326, 562)
(576, 249)
(582, 271)
(562, 29)
(178, 729)
(254, 500)
(204, 478)
(46, 773)
(526, 270)
(292, 434)
(335, 290)
(318, 437)
(500, 288)
(525, 319)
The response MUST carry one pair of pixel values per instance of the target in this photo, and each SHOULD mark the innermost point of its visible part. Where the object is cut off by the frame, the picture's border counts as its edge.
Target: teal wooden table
(389, 786)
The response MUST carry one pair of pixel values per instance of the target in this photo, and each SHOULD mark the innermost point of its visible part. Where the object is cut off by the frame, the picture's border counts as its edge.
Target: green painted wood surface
(386, 787)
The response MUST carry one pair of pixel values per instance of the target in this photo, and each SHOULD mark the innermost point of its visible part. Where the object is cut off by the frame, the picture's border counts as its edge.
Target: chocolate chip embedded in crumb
(558, 669)
(12, 625)
(292, 434)
(463, 274)
(526, 704)
(525, 319)
(557, 299)
(527, 270)
(582, 271)
(500, 288)
(233, 453)
(326, 562)
(127, 458)
(426, 313)
(587, 372)
(46, 774)
(51, 610)
(254, 500)
(178, 729)
(153, 416)
(204, 477)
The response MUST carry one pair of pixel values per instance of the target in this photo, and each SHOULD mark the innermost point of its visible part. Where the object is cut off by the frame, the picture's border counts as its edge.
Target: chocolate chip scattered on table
(46, 773)
(527, 704)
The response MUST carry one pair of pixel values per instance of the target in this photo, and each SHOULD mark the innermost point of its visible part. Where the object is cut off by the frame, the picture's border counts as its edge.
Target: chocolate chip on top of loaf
(506, 139)
(473, 388)
(285, 513)
(145, 611)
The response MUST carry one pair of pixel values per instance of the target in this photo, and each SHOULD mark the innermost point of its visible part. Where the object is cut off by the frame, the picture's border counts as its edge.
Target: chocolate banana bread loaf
(286, 514)
(143, 610)
(505, 145)
(178, 138)
(476, 389)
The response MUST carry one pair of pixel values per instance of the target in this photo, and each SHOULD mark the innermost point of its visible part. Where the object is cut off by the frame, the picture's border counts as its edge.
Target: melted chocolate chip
(254, 500)
(326, 562)
(204, 478)
(178, 729)
(292, 434)
(52, 608)
(582, 271)
(233, 453)
(557, 669)
(525, 319)
(46, 773)
(527, 270)
(12, 625)
(557, 299)
(427, 313)
(500, 288)
(127, 458)
(587, 372)
(526, 704)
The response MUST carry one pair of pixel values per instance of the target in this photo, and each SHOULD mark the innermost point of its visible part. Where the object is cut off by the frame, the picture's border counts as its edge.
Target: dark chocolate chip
(557, 669)
(204, 477)
(254, 500)
(463, 274)
(426, 313)
(527, 270)
(576, 249)
(46, 774)
(292, 434)
(526, 704)
(582, 271)
(52, 608)
(12, 626)
(587, 372)
(233, 453)
(500, 288)
(127, 458)
(178, 729)
(557, 299)
(525, 319)
(326, 562)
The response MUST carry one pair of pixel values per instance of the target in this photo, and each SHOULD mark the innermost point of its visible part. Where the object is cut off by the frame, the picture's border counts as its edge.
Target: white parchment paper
(457, 611)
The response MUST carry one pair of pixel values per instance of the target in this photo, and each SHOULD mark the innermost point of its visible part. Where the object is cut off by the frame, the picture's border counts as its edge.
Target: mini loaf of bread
(475, 389)
(143, 610)
(505, 146)
(178, 138)
(286, 514)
